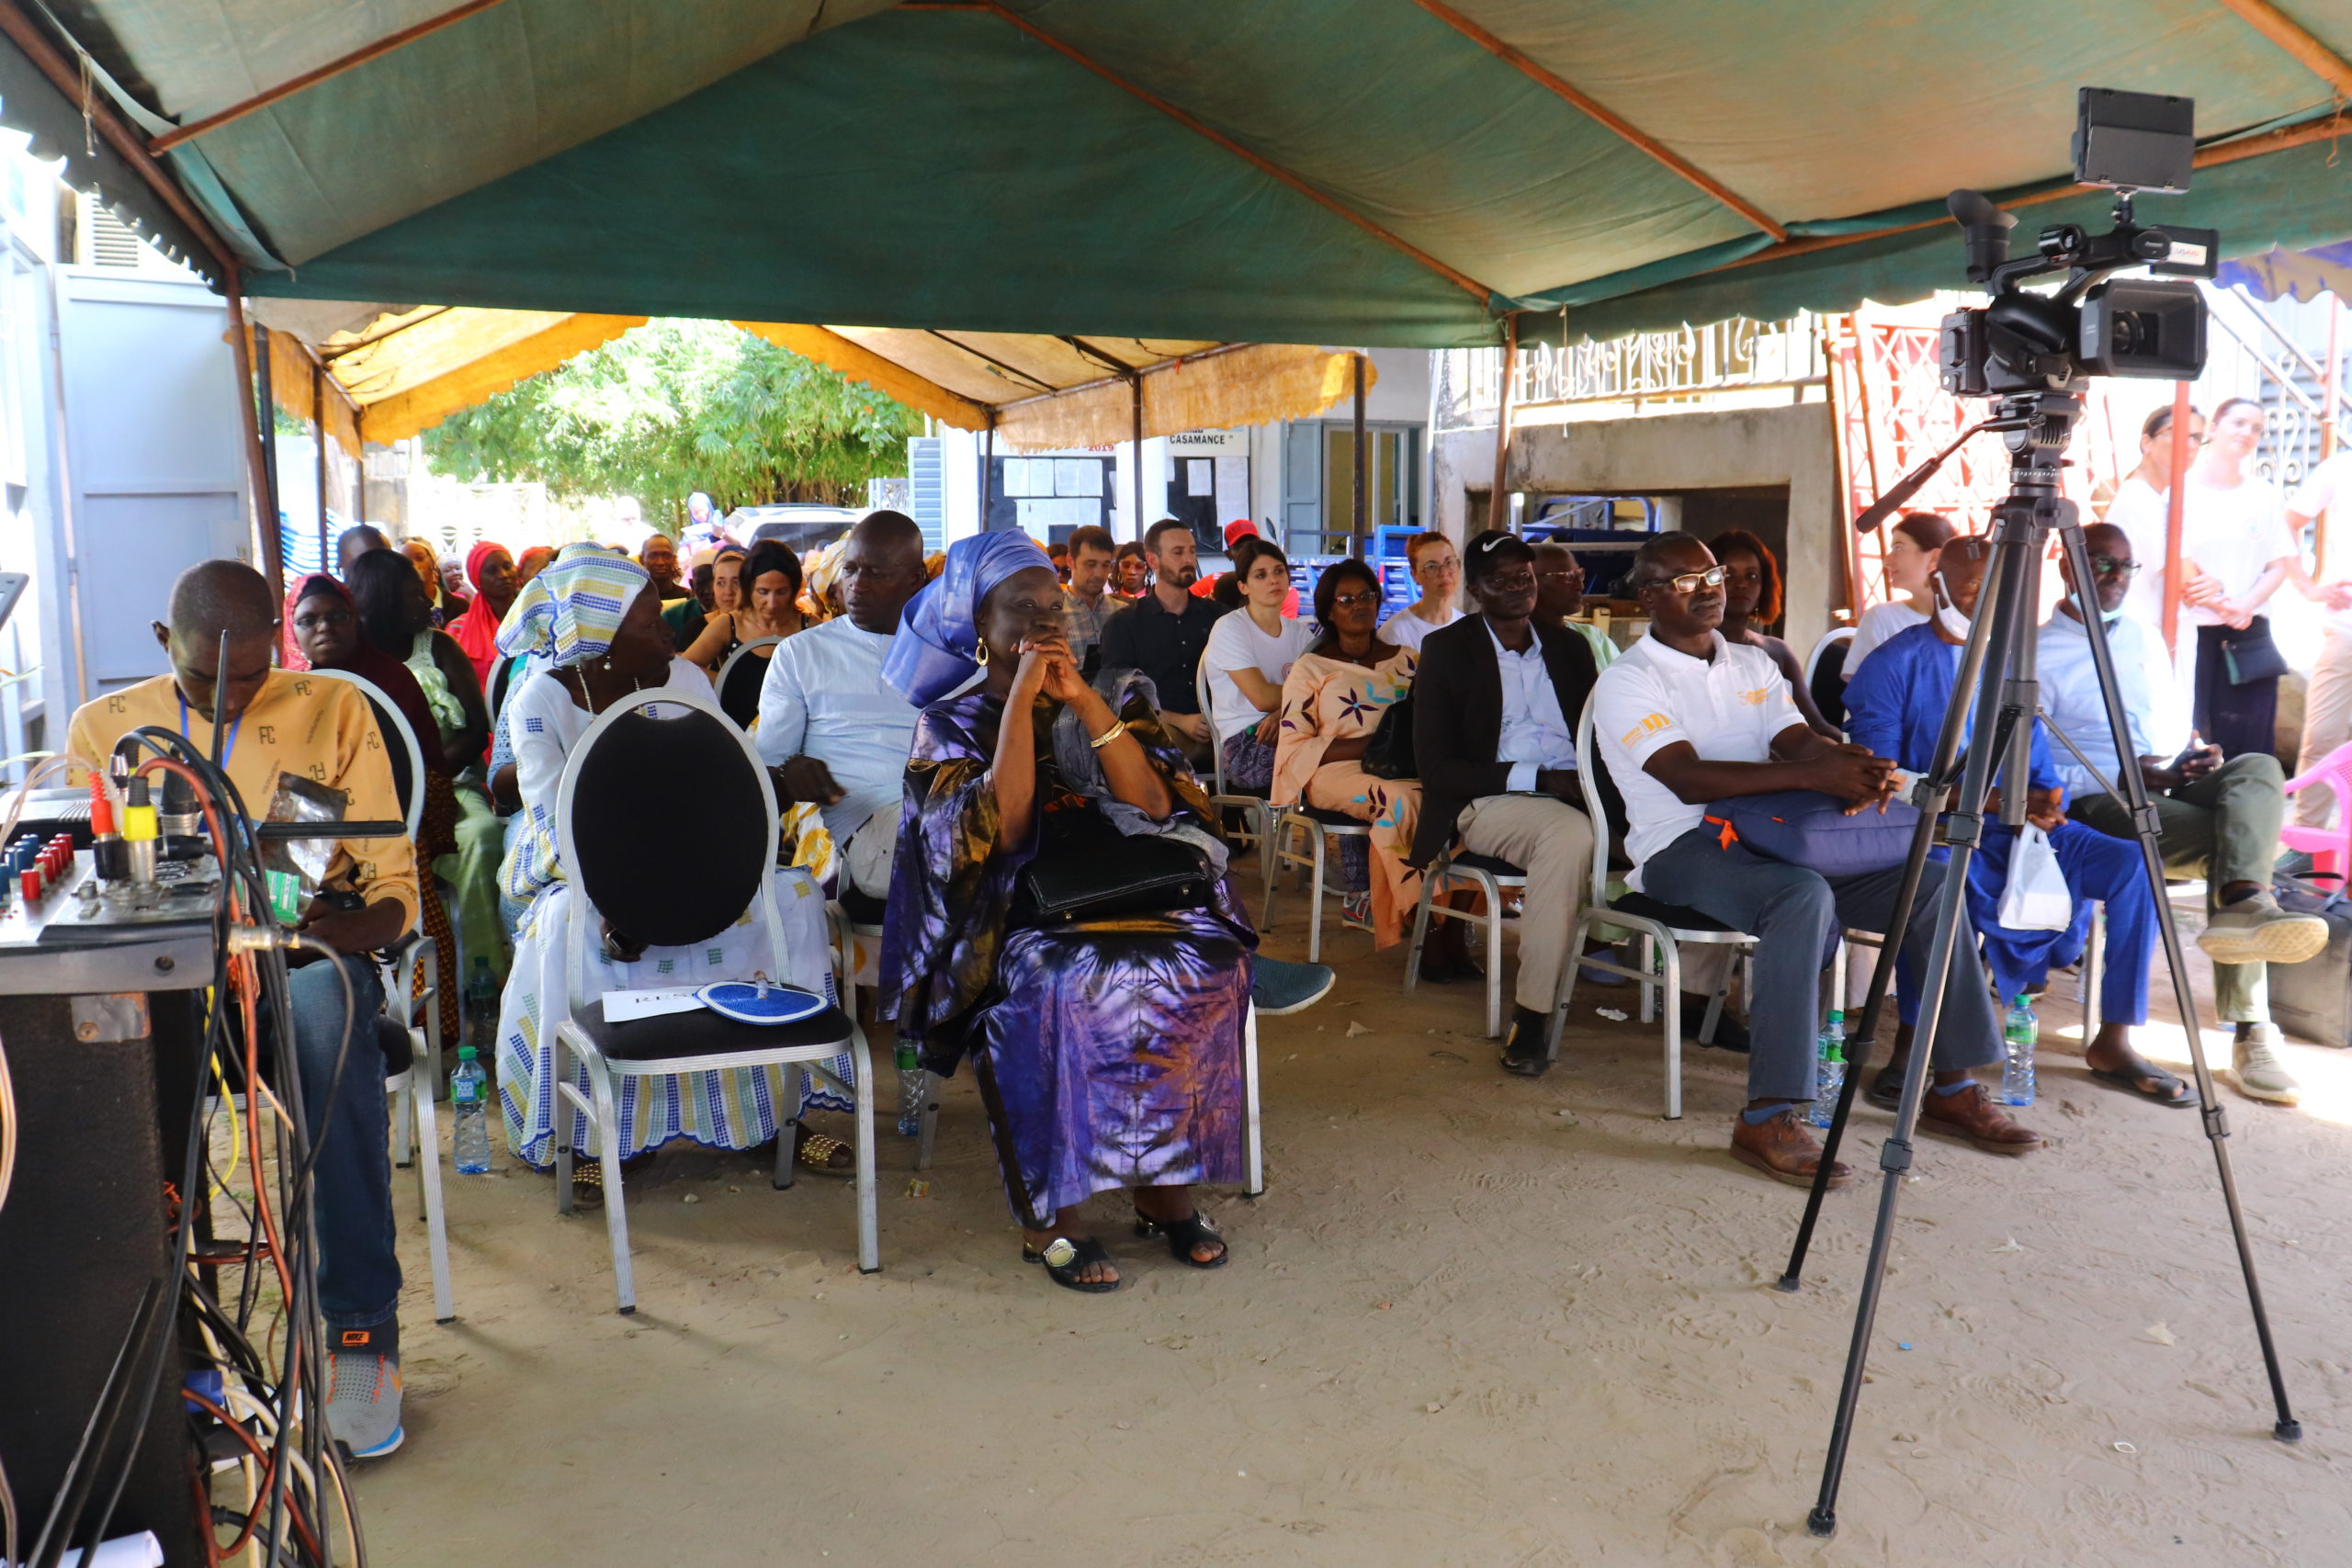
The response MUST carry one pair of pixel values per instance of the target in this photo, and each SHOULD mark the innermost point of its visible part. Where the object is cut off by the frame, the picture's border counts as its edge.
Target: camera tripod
(1997, 680)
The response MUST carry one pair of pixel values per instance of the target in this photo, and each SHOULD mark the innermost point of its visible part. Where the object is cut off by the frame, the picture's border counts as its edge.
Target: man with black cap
(1495, 706)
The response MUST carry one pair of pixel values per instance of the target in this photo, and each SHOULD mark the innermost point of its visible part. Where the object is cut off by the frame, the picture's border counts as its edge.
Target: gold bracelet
(1118, 727)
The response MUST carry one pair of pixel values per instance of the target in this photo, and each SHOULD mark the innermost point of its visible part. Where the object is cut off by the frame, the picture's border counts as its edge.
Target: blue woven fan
(747, 1001)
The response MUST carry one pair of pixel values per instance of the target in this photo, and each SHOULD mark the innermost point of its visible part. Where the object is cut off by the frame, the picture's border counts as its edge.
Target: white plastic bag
(2037, 897)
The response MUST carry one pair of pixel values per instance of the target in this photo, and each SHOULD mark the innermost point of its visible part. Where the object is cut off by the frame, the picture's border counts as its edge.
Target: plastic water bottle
(911, 1078)
(2017, 1031)
(470, 1105)
(1830, 1072)
(481, 1006)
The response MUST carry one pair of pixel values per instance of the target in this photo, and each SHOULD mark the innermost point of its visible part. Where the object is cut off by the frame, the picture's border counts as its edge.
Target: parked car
(802, 528)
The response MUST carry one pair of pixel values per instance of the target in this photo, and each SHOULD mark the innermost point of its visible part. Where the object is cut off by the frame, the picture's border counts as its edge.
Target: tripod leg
(2004, 614)
(1938, 788)
(2145, 820)
(1866, 1034)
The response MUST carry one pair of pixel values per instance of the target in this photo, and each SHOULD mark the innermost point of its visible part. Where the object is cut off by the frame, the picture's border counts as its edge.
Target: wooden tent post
(250, 402)
(2178, 432)
(1359, 529)
(2328, 431)
(266, 419)
(1498, 501)
(1136, 484)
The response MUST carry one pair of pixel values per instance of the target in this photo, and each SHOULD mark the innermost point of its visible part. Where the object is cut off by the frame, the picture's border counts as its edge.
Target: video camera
(2094, 324)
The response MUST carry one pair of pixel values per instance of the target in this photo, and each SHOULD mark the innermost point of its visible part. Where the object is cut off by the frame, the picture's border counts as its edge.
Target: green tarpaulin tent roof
(1285, 171)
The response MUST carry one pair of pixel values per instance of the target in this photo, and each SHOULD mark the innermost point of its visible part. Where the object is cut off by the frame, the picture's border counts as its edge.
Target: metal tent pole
(1359, 519)
(1136, 477)
(318, 433)
(1497, 498)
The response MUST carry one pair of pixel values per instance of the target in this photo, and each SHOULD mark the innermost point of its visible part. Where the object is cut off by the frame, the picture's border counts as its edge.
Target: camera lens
(2135, 332)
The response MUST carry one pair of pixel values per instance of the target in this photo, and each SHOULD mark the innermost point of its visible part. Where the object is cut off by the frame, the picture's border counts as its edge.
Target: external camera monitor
(2134, 141)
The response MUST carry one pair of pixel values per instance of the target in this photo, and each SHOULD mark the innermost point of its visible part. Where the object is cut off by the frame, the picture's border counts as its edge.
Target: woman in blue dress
(1108, 1052)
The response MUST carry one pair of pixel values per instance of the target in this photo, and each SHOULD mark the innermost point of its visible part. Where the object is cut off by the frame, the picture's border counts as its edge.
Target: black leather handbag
(1087, 869)
(2249, 654)
(1389, 753)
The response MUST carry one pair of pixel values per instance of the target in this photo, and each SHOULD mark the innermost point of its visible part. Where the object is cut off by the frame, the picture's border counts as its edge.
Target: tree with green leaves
(677, 406)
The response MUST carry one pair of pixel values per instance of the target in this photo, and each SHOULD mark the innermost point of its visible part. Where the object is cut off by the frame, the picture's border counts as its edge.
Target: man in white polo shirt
(1683, 718)
(835, 732)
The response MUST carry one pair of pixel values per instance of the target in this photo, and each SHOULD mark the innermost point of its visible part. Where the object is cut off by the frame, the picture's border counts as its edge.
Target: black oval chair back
(404, 782)
(500, 673)
(739, 690)
(696, 876)
(1828, 683)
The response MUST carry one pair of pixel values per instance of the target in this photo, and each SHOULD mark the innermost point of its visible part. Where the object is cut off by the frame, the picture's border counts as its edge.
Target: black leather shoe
(1523, 1052)
(1730, 1033)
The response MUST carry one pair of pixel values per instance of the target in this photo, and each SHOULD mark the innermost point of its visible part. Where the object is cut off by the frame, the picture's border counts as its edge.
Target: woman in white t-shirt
(2140, 509)
(1248, 655)
(2235, 552)
(1437, 568)
(1910, 562)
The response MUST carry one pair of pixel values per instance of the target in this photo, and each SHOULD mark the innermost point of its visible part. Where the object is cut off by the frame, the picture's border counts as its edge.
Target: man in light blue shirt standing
(832, 729)
(2217, 820)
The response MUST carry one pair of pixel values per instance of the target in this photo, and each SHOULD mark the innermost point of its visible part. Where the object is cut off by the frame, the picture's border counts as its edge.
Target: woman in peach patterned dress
(1332, 702)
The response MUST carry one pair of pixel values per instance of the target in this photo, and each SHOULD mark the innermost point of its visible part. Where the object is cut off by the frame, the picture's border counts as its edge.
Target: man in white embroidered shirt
(1683, 718)
(2219, 820)
(835, 734)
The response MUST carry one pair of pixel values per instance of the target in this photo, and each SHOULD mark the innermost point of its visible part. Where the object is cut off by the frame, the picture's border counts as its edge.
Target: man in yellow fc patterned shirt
(321, 730)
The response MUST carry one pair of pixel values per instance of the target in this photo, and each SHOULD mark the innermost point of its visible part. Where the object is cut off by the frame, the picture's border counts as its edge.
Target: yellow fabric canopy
(405, 368)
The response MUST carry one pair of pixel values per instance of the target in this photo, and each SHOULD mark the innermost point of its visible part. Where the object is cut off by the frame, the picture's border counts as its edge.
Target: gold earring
(983, 659)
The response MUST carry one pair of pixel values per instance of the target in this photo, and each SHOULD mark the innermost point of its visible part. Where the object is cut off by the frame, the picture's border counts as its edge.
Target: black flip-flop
(1184, 1235)
(1063, 1257)
(2175, 1094)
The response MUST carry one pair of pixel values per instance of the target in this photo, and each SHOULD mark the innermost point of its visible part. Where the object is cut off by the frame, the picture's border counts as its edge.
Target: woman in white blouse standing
(2235, 552)
(1911, 556)
(1248, 655)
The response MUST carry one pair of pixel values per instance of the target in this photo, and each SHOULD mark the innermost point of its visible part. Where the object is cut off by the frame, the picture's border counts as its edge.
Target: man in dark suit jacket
(1495, 706)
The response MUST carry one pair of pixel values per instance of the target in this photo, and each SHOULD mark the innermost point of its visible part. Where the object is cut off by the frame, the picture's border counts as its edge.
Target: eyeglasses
(1563, 574)
(320, 619)
(2108, 566)
(1692, 581)
(1354, 601)
(1509, 582)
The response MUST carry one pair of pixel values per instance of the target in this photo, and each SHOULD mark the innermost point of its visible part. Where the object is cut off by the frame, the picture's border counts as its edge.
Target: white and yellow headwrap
(574, 607)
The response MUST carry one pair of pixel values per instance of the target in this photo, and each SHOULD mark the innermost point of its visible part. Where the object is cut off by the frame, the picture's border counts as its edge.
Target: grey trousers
(2223, 828)
(1797, 917)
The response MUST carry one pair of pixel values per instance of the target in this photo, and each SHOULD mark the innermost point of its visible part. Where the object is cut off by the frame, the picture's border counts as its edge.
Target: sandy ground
(1474, 1321)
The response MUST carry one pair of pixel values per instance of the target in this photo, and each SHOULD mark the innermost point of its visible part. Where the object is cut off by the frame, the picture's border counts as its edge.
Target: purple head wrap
(936, 653)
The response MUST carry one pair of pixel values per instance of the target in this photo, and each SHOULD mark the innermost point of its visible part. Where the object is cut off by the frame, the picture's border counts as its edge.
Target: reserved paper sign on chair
(653, 1001)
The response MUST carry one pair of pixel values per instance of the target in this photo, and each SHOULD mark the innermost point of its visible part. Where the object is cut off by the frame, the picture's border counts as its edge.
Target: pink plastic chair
(2330, 848)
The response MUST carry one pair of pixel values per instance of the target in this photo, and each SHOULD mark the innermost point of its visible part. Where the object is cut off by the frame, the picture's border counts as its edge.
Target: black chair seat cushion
(393, 1041)
(1327, 819)
(1674, 915)
(1465, 861)
(704, 1033)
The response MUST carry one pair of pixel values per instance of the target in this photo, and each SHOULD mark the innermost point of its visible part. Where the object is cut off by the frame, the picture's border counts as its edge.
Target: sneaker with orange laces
(364, 1389)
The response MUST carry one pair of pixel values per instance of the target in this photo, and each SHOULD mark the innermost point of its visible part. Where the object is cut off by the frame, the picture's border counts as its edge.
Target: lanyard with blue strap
(227, 751)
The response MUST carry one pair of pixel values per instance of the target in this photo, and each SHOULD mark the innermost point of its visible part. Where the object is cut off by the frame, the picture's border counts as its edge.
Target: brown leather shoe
(1970, 1114)
(1783, 1149)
